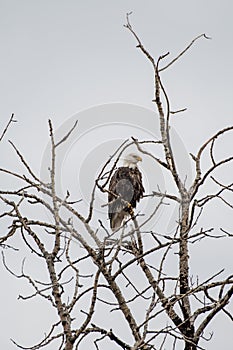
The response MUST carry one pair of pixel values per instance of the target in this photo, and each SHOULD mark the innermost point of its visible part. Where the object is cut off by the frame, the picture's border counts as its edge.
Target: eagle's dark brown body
(126, 183)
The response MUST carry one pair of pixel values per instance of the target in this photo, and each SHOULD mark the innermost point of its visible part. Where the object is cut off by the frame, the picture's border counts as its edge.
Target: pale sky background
(59, 58)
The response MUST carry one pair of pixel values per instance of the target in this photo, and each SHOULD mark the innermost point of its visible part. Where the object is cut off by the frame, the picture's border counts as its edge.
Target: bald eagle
(125, 190)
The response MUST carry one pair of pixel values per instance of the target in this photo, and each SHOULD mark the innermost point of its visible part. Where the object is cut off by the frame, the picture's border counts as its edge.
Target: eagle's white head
(131, 160)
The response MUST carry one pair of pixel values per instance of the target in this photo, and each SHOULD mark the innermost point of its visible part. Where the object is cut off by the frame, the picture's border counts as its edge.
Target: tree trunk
(189, 330)
(190, 346)
(69, 345)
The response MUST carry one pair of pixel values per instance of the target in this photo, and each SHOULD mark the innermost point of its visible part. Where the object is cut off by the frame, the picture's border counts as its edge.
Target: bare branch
(67, 135)
(184, 51)
(11, 120)
(219, 306)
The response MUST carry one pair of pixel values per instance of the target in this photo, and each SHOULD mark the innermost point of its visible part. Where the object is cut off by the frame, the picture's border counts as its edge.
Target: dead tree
(89, 283)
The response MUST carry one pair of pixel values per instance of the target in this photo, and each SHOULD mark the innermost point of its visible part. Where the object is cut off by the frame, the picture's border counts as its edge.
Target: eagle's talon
(131, 212)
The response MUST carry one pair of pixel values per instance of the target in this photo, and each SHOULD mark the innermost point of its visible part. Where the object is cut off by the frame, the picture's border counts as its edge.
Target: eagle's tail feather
(116, 221)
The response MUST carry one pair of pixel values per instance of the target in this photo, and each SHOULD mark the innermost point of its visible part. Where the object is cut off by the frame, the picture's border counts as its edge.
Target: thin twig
(11, 120)
(184, 51)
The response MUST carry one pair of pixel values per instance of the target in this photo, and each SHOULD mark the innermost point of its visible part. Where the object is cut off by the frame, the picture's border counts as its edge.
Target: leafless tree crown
(99, 288)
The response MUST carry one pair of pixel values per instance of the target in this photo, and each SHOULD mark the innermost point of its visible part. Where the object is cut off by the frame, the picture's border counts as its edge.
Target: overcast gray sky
(59, 58)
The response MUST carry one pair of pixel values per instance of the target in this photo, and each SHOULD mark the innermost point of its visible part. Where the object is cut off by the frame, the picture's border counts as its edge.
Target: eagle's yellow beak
(139, 159)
